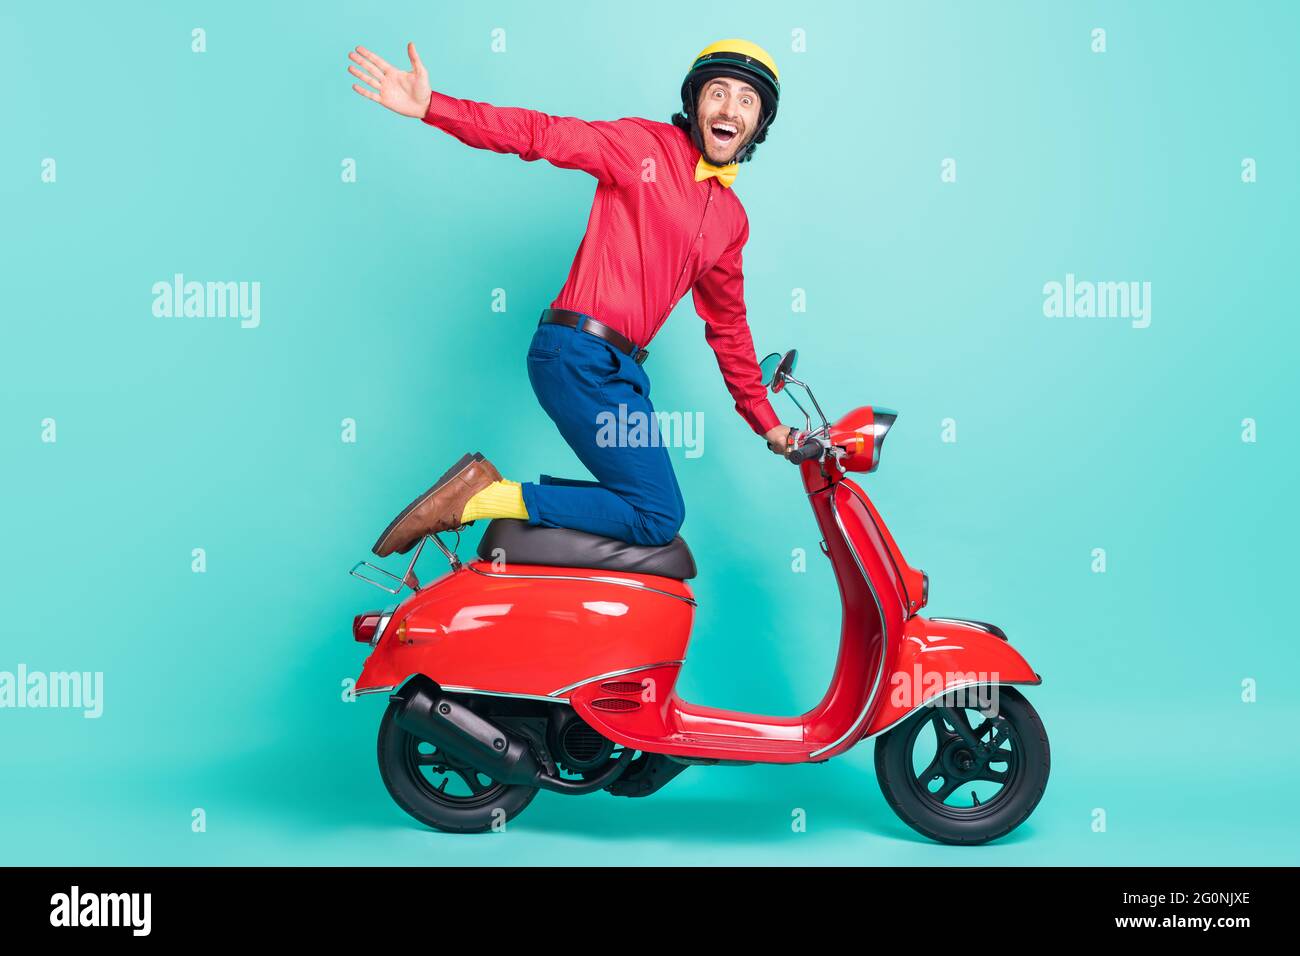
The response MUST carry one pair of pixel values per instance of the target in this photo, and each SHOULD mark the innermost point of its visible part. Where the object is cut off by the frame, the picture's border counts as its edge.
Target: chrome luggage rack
(409, 580)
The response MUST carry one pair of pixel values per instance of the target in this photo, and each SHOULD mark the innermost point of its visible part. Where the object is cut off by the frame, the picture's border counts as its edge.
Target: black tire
(909, 792)
(408, 767)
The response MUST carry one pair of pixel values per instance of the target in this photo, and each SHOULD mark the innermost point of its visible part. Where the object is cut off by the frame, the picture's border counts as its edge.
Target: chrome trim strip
(574, 577)
(467, 690)
(978, 625)
(501, 693)
(944, 693)
(627, 670)
(884, 634)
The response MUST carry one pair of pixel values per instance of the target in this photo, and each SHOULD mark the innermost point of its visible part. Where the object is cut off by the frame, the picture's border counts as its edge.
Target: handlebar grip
(811, 448)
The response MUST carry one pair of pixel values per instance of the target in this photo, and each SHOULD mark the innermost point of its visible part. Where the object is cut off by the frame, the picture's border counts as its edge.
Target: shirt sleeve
(604, 148)
(719, 297)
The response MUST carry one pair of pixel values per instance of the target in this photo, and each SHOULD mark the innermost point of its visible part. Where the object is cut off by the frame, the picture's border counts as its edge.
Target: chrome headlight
(882, 421)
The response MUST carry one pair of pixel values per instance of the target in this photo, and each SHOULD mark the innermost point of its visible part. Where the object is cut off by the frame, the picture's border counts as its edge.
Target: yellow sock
(501, 499)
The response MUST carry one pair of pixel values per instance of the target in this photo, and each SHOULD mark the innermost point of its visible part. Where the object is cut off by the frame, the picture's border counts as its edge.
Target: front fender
(939, 656)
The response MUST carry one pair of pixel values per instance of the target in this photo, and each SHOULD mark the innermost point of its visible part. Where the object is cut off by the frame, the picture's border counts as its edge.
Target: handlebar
(811, 448)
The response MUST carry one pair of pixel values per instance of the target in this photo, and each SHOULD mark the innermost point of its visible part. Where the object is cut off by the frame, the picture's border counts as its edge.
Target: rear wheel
(964, 776)
(440, 790)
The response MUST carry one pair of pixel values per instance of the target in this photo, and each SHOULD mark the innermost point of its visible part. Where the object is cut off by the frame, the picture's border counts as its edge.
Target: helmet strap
(750, 145)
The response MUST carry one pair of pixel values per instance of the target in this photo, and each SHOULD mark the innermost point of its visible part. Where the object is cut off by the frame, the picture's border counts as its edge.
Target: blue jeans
(581, 382)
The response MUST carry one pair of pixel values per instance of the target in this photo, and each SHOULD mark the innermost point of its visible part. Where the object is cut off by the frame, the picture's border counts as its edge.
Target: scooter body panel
(531, 630)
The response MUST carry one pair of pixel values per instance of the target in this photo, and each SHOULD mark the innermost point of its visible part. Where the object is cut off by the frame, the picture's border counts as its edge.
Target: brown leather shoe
(439, 508)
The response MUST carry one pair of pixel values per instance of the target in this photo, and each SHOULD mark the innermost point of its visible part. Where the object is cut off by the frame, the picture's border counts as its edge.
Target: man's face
(728, 112)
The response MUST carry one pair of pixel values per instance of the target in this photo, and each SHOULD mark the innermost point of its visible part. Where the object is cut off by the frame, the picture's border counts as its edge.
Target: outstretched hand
(402, 92)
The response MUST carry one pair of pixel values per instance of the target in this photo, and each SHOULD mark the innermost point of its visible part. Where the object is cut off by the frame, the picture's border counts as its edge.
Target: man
(663, 221)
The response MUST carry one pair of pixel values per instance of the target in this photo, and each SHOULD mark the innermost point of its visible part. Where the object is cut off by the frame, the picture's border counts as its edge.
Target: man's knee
(659, 527)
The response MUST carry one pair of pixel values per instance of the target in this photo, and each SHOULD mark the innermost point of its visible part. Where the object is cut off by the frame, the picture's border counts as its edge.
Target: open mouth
(723, 133)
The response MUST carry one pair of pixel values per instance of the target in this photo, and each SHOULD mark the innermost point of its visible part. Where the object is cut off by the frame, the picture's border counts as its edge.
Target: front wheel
(438, 789)
(962, 775)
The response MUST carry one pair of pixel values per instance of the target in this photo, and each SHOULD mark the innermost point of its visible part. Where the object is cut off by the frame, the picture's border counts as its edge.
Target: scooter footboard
(942, 655)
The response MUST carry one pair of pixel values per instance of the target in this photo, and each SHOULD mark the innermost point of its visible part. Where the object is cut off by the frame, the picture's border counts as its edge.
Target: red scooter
(551, 663)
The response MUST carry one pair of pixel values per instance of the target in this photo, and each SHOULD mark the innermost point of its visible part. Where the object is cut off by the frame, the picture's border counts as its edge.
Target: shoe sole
(452, 472)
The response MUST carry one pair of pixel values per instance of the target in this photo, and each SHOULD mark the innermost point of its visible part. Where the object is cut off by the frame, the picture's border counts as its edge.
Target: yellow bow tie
(726, 174)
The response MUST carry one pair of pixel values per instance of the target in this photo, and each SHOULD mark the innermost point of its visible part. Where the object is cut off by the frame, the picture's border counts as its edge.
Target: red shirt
(654, 232)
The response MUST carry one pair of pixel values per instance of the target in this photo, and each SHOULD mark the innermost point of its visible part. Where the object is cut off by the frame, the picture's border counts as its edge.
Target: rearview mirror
(776, 367)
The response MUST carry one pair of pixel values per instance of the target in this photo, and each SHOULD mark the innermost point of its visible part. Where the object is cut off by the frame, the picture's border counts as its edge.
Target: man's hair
(683, 123)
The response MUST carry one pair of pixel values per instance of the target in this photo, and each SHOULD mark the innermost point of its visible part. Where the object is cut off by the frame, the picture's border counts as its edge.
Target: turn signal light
(853, 443)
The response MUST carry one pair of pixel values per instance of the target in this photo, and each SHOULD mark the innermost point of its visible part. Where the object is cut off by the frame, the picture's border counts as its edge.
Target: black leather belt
(585, 323)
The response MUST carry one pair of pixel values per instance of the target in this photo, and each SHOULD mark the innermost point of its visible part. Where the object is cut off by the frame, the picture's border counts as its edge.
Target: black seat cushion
(522, 543)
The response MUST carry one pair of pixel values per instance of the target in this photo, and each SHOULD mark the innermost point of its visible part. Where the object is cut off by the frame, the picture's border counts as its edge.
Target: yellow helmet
(741, 59)
(744, 49)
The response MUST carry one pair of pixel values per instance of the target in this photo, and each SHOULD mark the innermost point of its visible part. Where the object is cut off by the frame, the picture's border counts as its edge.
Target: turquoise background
(223, 690)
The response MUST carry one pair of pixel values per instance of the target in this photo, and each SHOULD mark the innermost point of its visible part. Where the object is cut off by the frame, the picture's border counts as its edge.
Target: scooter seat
(518, 542)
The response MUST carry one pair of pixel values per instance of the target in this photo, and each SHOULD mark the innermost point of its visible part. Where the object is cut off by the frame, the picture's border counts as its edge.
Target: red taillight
(365, 625)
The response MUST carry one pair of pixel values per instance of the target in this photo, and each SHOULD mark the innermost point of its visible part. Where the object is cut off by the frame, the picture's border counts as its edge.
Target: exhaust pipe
(449, 725)
(452, 727)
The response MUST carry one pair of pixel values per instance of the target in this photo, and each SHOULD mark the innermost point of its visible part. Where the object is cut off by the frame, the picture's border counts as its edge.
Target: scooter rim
(1015, 776)
(410, 753)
